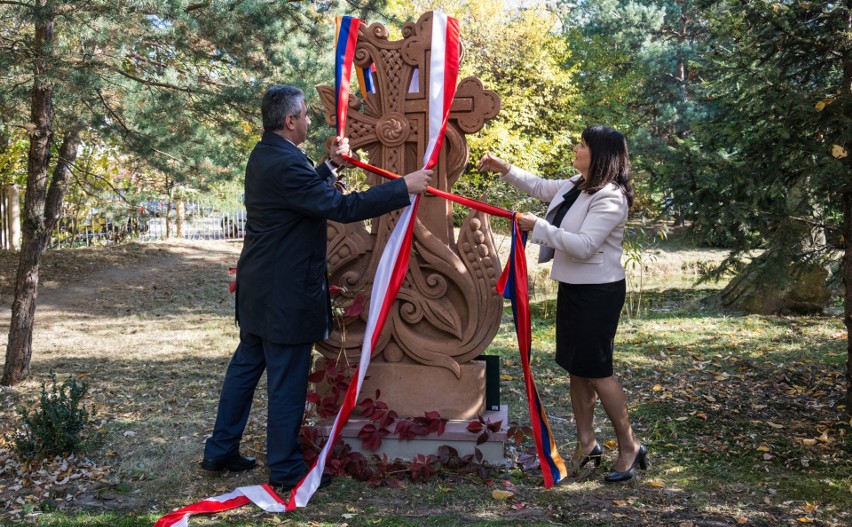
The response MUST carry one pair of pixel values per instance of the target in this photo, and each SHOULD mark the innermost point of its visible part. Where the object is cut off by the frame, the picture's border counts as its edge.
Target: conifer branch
(10, 2)
(152, 83)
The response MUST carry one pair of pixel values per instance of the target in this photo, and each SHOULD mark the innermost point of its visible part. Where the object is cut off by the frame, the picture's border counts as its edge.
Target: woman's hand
(526, 221)
(492, 163)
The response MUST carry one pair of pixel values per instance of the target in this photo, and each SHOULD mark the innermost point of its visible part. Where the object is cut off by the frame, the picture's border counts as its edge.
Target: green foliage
(520, 54)
(171, 89)
(13, 157)
(60, 424)
(638, 245)
(640, 64)
(769, 178)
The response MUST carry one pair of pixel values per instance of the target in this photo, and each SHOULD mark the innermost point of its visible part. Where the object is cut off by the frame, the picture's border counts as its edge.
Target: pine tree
(175, 83)
(640, 66)
(777, 175)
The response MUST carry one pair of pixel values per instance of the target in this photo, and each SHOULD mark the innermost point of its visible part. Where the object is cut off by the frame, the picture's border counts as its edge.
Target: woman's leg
(583, 399)
(613, 400)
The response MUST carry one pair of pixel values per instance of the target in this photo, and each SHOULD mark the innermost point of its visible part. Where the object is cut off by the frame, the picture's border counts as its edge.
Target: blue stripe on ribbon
(340, 55)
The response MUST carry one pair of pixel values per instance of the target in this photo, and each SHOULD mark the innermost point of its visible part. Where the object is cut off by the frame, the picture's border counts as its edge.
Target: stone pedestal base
(455, 435)
(414, 389)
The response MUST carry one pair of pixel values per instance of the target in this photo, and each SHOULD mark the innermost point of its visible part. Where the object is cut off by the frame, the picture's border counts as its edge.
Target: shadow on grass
(707, 389)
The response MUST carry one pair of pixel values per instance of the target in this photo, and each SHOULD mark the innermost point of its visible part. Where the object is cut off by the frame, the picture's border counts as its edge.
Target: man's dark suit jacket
(282, 288)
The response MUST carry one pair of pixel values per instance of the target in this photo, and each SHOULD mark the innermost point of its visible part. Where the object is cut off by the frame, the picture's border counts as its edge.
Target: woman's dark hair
(610, 162)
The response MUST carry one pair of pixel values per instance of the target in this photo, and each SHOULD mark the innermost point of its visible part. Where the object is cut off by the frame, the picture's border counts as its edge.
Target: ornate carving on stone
(447, 311)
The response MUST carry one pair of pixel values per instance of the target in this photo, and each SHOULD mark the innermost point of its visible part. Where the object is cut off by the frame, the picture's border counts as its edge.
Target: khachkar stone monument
(447, 311)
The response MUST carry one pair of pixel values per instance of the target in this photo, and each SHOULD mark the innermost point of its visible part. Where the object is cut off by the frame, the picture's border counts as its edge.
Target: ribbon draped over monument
(393, 264)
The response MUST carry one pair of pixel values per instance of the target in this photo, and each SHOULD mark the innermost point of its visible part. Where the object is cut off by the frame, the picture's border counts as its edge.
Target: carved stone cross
(447, 311)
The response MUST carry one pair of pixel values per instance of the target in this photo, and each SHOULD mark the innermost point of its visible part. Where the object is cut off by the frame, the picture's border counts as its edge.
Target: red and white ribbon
(261, 495)
(394, 261)
(386, 284)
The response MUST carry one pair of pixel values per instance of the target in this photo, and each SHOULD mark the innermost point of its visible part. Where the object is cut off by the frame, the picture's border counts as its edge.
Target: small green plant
(59, 425)
(637, 246)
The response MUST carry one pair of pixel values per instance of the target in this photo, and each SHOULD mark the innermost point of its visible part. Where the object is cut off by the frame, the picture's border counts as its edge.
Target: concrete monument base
(455, 435)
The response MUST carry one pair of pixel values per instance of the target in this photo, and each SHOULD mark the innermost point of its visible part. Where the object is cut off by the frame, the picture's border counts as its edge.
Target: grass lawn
(742, 414)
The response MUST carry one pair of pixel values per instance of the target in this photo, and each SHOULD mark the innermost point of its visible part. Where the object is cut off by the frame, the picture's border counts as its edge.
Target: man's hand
(340, 148)
(417, 181)
(526, 221)
(492, 163)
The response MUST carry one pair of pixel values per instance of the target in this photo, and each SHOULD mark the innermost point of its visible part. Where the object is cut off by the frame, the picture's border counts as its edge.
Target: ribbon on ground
(261, 495)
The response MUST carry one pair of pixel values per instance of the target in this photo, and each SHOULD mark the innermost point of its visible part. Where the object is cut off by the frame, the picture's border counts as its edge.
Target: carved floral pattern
(447, 311)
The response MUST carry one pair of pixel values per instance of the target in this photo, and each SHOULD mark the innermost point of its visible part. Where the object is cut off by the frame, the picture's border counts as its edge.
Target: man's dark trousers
(288, 366)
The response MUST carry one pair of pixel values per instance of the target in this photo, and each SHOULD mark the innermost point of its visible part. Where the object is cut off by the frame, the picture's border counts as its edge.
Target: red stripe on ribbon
(208, 506)
(345, 74)
(461, 200)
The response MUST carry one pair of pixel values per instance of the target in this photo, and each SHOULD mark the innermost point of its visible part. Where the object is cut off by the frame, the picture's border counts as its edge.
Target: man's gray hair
(279, 101)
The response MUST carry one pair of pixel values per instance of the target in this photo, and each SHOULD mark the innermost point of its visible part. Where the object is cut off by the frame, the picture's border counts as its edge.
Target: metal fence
(197, 223)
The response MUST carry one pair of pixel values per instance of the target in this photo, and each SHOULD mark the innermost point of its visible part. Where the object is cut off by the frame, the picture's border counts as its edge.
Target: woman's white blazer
(586, 247)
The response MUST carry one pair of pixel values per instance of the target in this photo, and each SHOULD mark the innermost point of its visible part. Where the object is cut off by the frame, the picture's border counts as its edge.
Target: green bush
(59, 425)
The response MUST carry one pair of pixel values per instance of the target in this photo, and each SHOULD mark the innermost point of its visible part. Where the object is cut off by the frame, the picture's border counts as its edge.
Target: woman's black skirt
(586, 321)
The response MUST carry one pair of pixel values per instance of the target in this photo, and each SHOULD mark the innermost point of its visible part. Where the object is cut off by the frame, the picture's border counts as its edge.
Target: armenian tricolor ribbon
(345, 41)
(513, 284)
(365, 79)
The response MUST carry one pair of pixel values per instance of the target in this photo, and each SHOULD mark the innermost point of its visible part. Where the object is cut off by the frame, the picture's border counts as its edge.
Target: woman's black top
(570, 197)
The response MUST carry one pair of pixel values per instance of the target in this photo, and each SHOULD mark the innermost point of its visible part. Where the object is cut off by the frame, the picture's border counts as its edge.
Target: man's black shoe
(235, 463)
(284, 487)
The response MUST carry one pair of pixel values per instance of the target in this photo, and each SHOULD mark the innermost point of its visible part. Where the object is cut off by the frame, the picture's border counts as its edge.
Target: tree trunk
(41, 205)
(846, 93)
(779, 281)
(37, 229)
(180, 209)
(19, 350)
(13, 217)
(847, 287)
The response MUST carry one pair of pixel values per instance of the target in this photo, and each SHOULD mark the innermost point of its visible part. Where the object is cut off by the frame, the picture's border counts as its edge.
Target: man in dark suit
(282, 300)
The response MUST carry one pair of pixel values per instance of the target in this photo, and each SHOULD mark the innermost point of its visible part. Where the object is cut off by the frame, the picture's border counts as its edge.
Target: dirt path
(76, 282)
(149, 328)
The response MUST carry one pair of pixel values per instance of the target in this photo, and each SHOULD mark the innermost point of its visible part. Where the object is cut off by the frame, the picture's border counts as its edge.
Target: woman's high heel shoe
(641, 461)
(595, 456)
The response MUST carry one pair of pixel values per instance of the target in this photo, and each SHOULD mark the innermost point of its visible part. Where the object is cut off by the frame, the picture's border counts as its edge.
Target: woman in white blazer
(582, 232)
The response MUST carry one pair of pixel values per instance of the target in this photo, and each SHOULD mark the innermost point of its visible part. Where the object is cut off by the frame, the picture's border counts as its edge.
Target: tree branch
(152, 83)
(22, 4)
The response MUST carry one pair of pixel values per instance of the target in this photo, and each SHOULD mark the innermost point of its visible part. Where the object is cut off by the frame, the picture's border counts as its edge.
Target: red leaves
(335, 376)
(380, 471)
(518, 433)
(345, 306)
(486, 427)
(371, 436)
(422, 468)
(384, 472)
(471, 464)
(356, 307)
(377, 411)
(431, 422)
